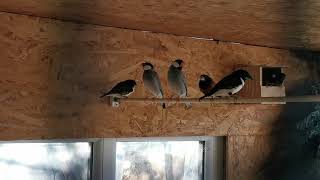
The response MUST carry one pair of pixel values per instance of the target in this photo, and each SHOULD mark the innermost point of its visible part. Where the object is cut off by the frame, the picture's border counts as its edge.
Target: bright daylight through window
(165, 160)
(45, 161)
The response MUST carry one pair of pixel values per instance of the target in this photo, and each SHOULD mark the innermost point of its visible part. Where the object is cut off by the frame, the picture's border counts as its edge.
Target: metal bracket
(115, 102)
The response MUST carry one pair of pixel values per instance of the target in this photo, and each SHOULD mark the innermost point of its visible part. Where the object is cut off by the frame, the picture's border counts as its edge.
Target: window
(45, 161)
(159, 160)
(177, 158)
(174, 158)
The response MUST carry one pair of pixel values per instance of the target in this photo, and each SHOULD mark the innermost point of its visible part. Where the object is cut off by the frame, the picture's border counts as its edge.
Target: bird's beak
(250, 78)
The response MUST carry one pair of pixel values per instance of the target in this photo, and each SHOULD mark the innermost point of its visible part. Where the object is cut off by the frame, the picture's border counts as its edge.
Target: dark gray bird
(229, 85)
(151, 81)
(122, 89)
(275, 79)
(177, 81)
(206, 84)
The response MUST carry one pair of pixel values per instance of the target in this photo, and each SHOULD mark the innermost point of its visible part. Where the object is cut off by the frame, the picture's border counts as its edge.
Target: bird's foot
(235, 97)
(212, 99)
(187, 106)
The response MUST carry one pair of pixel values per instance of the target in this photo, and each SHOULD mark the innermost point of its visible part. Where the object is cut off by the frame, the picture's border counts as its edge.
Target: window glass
(45, 161)
(169, 160)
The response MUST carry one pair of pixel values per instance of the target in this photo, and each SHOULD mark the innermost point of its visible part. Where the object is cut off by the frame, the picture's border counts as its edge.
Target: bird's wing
(228, 82)
(173, 80)
(184, 83)
(177, 81)
(183, 88)
(152, 82)
(121, 88)
(158, 82)
(110, 92)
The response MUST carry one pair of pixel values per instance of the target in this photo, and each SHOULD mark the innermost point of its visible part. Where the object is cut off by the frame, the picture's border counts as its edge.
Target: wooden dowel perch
(231, 100)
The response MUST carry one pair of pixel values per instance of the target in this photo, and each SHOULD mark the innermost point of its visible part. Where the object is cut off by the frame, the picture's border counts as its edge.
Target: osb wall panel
(246, 156)
(275, 23)
(53, 72)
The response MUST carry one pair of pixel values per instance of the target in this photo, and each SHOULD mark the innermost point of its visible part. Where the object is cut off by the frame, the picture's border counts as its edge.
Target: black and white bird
(206, 84)
(230, 84)
(122, 89)
(177, 81)
(151, 81)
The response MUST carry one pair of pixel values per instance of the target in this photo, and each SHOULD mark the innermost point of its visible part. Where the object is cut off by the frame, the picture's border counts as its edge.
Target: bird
(230, 84)
(152, 82)
(205, 84)
(177, 81)
(121, 90)
(275, 79)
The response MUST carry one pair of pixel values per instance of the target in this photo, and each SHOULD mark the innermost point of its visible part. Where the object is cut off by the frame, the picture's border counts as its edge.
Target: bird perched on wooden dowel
(230, 84)
(152, 82)
(177, 81)
(122, 89)
(206, 84)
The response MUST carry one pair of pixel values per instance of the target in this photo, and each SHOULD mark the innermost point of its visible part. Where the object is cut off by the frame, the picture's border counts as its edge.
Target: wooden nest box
(265, 83)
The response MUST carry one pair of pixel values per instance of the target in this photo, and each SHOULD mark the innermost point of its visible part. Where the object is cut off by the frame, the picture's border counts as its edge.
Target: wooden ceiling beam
(271, 23)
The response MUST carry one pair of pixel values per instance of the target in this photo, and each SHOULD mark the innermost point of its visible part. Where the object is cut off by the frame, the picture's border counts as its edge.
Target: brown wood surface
(246, 156)
(53, 72)
(274, 23)
(252, 88)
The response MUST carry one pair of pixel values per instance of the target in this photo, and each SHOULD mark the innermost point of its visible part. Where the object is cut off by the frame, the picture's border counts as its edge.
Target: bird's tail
(161, 96)
(105, 94)
(163, 105)
(201, 98)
